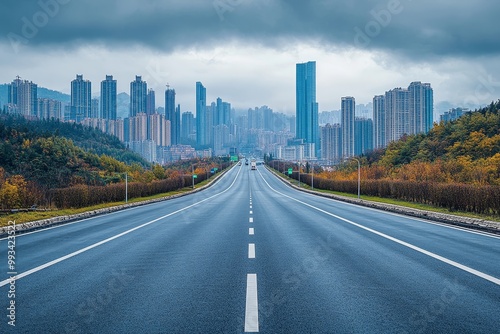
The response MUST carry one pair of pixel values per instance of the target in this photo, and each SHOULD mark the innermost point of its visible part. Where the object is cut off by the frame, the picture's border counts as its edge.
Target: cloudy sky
(245, 51)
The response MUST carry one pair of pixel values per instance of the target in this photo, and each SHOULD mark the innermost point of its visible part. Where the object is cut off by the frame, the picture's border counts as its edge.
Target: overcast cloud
(245, 50)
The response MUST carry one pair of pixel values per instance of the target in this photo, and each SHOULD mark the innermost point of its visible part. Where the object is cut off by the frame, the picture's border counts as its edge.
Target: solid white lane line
(251, 231)
(97, 244)
(251, 251)
(252, 305)
(250, 220)
(401, 242)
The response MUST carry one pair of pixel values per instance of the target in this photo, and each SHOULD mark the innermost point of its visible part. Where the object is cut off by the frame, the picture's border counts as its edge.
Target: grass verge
(25, 217)
(393, 201)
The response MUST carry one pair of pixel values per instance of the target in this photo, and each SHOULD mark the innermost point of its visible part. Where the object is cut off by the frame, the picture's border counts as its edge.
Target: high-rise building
(363, 135)
(108, 98)
(453, 114)
(94, 109)
(348, 111)
(226, 112)
(268, 119)
(159, 130)
(218, 116)
(331, 143)
(403, 111)
(81, 99)
(252, 118)
(421, 107)
(172, 114)
(50, 109)
(138, 127)
(397, 114)
(138, 96)
(13, 89)
(202, 135)
(306, 105)
(222, 113)
(210, 110)
(379, 122)
(188, 125)
(176, 126)
(221, 139)
(150, 102)
(23, 97)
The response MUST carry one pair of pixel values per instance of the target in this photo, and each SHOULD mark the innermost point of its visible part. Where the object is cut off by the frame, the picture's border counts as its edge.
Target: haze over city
(245, 51)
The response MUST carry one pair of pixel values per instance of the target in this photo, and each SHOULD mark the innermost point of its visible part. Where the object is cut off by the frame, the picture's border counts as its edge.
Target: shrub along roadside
(83, 196)
(454, 197)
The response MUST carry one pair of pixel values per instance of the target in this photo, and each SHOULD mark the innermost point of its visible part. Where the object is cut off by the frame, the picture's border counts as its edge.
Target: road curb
(60, 220)
(450, 219)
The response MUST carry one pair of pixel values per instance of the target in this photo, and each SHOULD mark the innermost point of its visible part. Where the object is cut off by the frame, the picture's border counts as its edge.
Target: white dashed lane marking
(251, 251)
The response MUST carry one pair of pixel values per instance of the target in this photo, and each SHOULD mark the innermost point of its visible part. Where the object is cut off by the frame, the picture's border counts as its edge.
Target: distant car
(239, 163)
(246, 162)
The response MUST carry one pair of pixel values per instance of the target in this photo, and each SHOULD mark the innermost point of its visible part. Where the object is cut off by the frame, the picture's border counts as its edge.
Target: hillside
(90, 139)
(42, 93)
(54, 154)
(464, 151)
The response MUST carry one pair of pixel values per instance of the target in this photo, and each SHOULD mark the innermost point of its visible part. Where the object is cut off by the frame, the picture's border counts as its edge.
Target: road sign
(290, 171)
(234, 158)
(195, 176)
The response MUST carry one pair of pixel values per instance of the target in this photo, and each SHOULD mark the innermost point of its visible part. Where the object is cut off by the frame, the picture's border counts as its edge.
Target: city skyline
(352, 60)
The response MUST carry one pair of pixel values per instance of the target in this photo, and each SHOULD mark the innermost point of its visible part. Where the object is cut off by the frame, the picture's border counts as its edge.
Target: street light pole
(312, 181)
(126, 187)
(192, 174)
(359, 176)
(299, 173)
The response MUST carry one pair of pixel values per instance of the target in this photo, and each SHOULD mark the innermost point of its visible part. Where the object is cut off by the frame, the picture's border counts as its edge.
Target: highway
(251, 254)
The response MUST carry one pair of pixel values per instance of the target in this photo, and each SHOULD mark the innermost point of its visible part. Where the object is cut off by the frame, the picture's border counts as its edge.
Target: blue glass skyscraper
(172, 114)
(108, 98)
(81, 99)
(306, 105)
(138, 96)
(348, 112)
(202, 135)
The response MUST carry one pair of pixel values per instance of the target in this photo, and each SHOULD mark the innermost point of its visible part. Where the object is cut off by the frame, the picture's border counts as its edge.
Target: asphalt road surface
(250, 254)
